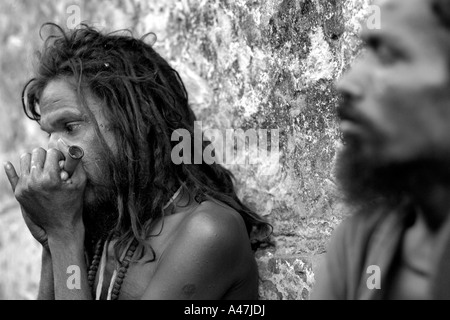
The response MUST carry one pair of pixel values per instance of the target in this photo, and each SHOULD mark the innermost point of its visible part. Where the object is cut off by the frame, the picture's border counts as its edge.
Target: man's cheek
(380, 82)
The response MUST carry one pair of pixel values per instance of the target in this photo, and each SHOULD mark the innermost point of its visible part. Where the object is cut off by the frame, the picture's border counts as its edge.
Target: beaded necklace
(99, 260)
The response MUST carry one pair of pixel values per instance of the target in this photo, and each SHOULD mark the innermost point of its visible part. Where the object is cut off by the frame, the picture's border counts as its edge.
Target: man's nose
(53, 141)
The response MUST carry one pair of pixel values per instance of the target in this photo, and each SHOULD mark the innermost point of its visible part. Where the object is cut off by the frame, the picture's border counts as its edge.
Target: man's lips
(352, 124)
(350, 127)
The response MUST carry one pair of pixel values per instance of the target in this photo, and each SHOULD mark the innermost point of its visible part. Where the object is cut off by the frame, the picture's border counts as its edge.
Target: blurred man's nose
(355, 82)
(351, 85)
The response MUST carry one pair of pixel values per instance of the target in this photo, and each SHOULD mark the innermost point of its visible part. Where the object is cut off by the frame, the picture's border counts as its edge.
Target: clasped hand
(51, 201)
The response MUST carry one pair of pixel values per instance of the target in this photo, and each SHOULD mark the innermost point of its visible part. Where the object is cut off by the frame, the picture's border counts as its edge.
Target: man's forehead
(61, 94)
(57, 93)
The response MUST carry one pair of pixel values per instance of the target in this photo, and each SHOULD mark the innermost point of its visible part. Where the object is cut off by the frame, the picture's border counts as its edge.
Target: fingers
(12, 175)
(52, 162)
(38, 158)
(54, 156)
(25, 161)
(59, 164)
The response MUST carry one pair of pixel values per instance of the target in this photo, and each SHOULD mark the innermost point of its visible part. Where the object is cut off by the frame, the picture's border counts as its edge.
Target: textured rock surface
(246, 64)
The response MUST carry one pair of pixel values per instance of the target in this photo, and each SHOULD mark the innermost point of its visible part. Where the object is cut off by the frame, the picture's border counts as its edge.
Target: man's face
(397, 101)
(63, 117)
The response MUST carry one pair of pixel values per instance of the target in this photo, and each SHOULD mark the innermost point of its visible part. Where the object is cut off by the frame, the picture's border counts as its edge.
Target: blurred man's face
(397, 96)
(63, 117)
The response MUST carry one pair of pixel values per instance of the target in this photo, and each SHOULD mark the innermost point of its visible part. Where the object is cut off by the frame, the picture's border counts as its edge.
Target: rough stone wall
(272, 65)
(246, 64)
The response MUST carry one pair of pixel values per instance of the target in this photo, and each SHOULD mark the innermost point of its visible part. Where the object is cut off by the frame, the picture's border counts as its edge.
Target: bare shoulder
(213, 248)
(218, 229)
(215, 220)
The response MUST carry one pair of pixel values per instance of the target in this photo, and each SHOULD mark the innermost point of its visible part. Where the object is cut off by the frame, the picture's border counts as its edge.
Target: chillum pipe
(71, 162)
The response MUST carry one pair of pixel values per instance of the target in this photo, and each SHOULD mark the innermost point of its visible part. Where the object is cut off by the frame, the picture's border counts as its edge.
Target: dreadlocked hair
(145, 100)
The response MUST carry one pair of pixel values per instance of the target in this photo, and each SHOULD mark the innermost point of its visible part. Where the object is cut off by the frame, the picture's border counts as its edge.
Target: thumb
(78, 176)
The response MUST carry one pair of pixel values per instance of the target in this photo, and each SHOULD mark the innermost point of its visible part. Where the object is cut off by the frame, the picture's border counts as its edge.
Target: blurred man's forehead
(406, 21)
(412, 13)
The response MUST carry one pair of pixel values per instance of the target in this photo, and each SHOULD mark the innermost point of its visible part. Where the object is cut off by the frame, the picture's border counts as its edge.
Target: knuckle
(33, 184)
(36, 183)
(32, 179)
(18, 194)
(47, 180)
(21, 191)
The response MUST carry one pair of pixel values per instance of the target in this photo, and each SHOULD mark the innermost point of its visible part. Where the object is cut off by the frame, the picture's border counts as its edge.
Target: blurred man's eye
(384, 52)
(386, 55)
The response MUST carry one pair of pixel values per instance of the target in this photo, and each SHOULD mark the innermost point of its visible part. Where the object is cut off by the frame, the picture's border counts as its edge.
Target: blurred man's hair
(442, 9)
(145, 101)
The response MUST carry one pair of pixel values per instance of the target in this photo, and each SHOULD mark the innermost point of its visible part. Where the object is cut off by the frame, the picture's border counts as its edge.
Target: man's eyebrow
(371, 38)
(367, 33)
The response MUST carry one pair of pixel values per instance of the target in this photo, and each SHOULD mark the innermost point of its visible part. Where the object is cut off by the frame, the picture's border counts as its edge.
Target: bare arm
(46, 285)
(69, 266)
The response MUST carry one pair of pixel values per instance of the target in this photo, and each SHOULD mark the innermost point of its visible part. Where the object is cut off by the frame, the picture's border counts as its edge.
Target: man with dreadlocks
(395, 166)
(127, 223)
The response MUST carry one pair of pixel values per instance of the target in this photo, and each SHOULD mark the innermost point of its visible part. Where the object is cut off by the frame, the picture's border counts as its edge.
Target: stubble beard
(100, 214)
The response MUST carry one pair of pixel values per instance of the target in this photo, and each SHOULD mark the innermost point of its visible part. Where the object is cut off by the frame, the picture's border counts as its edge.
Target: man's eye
(71, 127)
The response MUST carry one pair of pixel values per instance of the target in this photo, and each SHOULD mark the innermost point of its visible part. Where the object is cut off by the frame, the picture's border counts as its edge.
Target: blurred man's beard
(369, 172)
(100, 211)
(365, 180)
(361, 179)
